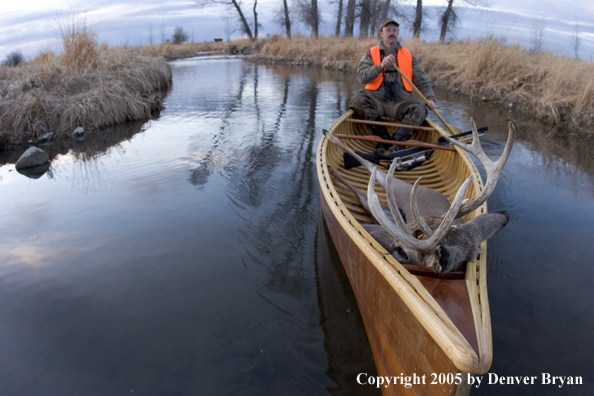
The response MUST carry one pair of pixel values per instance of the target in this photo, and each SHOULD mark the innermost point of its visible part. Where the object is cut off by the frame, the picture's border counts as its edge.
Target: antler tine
(449, 217)
(405, 237)
(414, 208)
(493, 169)
(391, 200)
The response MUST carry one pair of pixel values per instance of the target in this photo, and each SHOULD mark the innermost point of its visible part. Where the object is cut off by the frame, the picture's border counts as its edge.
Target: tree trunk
(338, 19)
(364, 20)
(418, 20)
(445, 19)
(255, 20)
(385, 10)
(287, 20)
(349, 22)
(315, 18)
(373, 17)
(246, 26)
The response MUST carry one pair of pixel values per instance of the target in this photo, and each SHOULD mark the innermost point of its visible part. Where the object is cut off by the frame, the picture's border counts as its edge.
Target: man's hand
(388, 60)
(431, 104)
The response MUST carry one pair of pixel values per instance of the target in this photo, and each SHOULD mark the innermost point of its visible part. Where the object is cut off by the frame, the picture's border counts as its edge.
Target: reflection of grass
(556, 89)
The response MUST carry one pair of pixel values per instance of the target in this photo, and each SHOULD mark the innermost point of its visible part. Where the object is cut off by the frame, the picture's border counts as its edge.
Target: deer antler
(493, 168)
(399, 230)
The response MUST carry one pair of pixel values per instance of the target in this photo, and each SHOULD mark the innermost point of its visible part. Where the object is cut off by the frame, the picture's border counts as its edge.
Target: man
(386, 93)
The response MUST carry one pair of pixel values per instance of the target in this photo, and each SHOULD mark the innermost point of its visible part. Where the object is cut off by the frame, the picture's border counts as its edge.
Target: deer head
(420, 226)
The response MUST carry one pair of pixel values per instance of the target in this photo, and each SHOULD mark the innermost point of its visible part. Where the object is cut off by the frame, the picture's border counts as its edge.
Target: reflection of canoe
(436, 328)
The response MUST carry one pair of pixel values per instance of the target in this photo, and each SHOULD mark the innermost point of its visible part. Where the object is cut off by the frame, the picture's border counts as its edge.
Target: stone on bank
(32, 157)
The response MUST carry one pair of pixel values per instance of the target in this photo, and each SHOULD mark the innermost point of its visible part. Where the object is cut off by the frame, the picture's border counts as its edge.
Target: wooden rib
(389, 124)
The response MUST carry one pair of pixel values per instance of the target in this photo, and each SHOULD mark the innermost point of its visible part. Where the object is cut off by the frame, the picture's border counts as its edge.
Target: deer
(420, 226)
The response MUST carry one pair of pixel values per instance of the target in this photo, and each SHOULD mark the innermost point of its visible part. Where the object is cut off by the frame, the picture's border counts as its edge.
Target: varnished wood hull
(416, 325)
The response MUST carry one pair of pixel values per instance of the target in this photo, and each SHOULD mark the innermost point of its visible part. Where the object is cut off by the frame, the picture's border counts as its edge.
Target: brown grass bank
(177, 51)
(99, 88)
(555, 89)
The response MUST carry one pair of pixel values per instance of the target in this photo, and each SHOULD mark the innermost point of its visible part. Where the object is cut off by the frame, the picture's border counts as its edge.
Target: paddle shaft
(390, 124)
(448, 127)
(412, 143)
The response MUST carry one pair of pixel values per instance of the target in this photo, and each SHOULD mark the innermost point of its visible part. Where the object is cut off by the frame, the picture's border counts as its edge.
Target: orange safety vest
(404, 57)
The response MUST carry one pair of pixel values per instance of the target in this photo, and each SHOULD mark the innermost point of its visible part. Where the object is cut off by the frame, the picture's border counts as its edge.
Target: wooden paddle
(388, 124)
(448, 126)
(412, 143)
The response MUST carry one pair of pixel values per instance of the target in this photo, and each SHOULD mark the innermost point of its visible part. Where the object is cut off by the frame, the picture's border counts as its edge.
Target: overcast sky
(32, 26)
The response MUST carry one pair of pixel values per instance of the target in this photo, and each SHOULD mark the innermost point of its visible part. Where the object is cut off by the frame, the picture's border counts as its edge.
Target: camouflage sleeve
(366, 71)
(421, 80)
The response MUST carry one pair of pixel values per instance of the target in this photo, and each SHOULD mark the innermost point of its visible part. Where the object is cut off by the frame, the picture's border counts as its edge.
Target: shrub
(15, 58)
(80, 46)
(180, 36)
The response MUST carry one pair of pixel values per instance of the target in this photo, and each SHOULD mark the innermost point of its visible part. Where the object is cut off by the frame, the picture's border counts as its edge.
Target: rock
(35, 172)
(32, 157)
(79, 133)
(46, 138)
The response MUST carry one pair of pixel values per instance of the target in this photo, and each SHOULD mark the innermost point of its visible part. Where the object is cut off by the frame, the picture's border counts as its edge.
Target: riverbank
(56, 94)
(556, 90)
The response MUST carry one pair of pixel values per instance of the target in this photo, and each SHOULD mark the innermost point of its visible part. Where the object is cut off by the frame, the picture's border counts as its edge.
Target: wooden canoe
(415, 324)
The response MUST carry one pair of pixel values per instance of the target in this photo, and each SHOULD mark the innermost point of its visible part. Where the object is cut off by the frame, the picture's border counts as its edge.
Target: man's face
(389, 35)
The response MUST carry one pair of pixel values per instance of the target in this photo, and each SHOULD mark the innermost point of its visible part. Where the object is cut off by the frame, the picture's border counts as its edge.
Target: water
(187, 256)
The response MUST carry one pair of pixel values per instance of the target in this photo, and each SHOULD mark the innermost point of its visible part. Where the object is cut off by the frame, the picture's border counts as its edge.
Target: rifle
(408, 158)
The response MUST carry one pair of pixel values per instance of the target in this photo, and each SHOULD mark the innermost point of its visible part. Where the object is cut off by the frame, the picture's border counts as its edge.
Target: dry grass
(57, 93)
(555, 89)
(176, 51)
(337, 53)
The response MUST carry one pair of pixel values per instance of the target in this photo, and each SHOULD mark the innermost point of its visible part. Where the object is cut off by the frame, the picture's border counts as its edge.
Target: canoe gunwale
(408, 287)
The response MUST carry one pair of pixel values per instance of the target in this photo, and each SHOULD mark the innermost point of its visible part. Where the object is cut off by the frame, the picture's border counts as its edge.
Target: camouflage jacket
(392, 87)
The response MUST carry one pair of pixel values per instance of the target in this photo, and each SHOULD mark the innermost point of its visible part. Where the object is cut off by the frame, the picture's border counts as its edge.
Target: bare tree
(349, 22)
(255, 20)
(227, 27)
(309, 14)
(385, 10)
(377, 12)
(448, 21)
(282, 17)
(576, 39)
(287, 19)
(449, 18)
(338, 18)
(364, 19)
(418, 20)
(231, 3)
(151, 41)
(538, 28)
(179, 35)
(15, 58)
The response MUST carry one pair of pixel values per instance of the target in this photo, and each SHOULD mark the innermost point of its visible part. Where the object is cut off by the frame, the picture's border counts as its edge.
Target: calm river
(187, 256)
